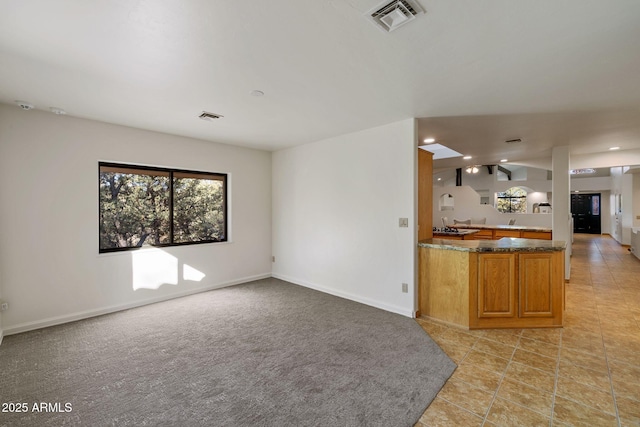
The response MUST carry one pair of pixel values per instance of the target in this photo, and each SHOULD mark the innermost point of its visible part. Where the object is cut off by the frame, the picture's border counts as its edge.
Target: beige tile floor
(585, 374)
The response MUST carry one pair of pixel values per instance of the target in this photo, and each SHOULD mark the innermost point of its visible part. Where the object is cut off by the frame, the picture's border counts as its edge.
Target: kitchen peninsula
(507, 283)
(495, 232)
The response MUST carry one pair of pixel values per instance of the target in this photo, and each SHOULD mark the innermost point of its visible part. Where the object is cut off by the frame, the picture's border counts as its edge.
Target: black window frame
(171, 172)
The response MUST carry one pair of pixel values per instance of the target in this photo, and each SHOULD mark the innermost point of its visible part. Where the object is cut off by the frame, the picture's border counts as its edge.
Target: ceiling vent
(209, 116)
(392, 15)
(513, 141)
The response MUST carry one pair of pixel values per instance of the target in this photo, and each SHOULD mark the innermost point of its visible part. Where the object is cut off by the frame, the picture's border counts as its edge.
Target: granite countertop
(506, 244)
(502, 227)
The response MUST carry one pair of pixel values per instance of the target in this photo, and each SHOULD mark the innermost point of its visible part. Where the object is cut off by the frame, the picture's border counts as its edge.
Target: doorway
(585, 210)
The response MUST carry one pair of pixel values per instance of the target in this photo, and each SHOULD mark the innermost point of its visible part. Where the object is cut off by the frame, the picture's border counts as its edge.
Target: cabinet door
(497, 285)
(536, 285)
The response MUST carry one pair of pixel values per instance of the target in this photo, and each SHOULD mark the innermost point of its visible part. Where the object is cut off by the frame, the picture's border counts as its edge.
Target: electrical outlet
(405, 288)
(4, 306)
(404, 222)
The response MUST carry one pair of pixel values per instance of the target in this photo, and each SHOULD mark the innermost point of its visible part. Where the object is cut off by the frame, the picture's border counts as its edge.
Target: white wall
(50, 269)
(621, 223)
(605, 209)
(467, 205)
(336, 205)
(562, 222)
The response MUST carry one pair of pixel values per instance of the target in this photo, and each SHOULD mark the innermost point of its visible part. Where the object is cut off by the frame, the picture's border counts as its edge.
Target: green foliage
(198, 210)
(135, 210)
(513, 200)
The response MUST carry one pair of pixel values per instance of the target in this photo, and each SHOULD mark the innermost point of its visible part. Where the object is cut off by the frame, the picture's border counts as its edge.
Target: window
(144, 206)
(513, 200)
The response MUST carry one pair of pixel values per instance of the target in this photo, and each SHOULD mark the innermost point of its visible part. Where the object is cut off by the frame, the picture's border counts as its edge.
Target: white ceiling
(476, 72)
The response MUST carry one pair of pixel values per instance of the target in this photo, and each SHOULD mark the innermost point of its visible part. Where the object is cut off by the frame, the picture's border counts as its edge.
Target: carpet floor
(265, 353)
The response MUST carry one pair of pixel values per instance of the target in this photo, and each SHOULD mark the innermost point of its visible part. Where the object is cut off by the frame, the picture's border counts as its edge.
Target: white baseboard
(57, 320)
(373, 303)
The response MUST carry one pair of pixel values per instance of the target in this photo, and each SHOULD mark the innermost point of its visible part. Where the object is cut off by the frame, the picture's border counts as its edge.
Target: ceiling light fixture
(429, 140)
(504, 160)
(473, 169)
(614, 148)
(25, 105)
(467, 157)
(581, 171)
(58, 111)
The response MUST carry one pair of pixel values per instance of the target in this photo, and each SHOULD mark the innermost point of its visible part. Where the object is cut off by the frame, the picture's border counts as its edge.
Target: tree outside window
(141, 206)
(513, 200)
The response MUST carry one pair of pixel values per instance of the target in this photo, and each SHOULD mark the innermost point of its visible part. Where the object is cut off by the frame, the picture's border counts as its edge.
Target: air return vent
(392, 15)
(209, 116)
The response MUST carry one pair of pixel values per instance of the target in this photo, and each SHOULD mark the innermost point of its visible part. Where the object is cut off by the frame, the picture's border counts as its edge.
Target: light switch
(404, 222)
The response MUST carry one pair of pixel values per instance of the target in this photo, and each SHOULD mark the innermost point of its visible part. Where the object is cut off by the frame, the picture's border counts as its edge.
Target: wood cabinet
(496, 285)
(518, 290)
(544, 235)
(487, 232)
(499, 234)
(536, 281)
(425, 190)
(478, 290)
(484, 235)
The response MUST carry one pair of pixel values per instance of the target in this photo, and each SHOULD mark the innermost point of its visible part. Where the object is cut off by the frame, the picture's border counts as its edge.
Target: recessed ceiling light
(614, 148)
(257, 93)
(429, 140)
(25, 105)
(467, 157)
(58, 111)
(504, 160)
(439, 179)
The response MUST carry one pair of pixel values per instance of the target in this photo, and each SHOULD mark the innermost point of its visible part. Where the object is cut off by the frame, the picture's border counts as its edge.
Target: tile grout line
(504, 373)
(457, 365)
(606, 359)
(555, 380)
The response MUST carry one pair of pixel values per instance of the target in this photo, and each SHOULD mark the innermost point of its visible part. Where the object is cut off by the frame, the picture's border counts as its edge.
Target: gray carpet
(265, 353)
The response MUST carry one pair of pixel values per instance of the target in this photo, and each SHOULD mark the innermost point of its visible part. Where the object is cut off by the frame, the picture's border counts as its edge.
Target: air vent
(513, 141)
(209, 116)
(392, 15)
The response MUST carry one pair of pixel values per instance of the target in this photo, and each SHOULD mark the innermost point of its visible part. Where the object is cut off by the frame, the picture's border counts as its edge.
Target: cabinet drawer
(543, 235)
(483, 235)
(506, 233)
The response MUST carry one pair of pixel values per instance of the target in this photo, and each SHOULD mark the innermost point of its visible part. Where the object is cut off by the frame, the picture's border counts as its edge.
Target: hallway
(585, 374)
